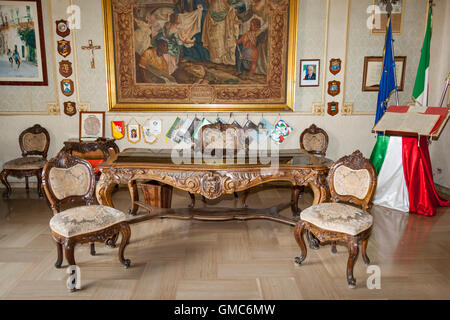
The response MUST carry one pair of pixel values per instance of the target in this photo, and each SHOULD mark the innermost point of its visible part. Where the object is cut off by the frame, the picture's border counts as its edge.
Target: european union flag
(387, 82)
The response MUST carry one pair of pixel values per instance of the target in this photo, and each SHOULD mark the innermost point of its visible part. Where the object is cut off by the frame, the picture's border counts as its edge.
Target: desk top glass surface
(152, 157)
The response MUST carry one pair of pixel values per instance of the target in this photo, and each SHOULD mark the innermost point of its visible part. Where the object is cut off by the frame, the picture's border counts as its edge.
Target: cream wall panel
(311, 45)
(361, 43)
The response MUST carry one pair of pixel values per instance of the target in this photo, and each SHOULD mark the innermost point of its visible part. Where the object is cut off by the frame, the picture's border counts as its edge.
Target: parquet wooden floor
(174, 259)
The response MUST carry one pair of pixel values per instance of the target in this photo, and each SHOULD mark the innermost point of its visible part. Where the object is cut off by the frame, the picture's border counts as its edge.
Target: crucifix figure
(91, 48)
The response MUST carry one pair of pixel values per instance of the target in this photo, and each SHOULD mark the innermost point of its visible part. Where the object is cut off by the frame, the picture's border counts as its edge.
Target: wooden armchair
(352, 179)
(313, 140)
(220, 136)
(68, 178)
(33, 141)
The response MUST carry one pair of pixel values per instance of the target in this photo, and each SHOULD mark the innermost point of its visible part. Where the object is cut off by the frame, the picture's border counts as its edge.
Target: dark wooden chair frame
(19, 173)
(355, 161)
(108, 235)
(222, 128)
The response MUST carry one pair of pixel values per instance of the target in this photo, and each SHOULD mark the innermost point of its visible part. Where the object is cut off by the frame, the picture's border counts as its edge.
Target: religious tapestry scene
(201, 41)
(202, 44)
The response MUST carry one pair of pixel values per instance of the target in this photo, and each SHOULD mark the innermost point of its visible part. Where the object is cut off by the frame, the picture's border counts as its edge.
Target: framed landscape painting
(22, 49)
(200, 55)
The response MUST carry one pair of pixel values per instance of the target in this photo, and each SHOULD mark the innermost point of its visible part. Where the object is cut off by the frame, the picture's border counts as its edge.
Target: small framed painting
(309, 72)
(92, 125)
(22, 48)
(134, 133)
(373, 67)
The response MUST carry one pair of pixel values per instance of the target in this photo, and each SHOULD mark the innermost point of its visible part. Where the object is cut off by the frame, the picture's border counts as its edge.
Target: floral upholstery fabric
(314, 142)
(74, 181)
(351, 182)
(85, 219)
(34, 142)
(25, 163)
(338, 217)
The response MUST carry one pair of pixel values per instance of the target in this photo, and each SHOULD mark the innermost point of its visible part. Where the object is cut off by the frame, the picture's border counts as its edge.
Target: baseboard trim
(443, 191)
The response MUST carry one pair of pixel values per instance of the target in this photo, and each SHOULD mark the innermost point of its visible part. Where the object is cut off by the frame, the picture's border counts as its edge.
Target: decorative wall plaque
(333, 108)
(335, 66)
(70, 108)
(64, 48)
(334, 88)
(65, 68)
(62, 28)
(67, 87)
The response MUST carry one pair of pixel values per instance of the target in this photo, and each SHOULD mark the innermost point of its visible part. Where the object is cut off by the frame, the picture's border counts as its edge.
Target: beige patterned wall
(361, 43)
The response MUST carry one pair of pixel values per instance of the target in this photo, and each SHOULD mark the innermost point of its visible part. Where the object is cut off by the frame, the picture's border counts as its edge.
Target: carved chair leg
(314, 243)
(364, 251)
(27, 186)
(126, 233)
(4, 178)
(92, 249)
(235, 195)
(244, 198)
(333, 247)
(353, 251)
(39, 183)
(298, 234)
(111, 242)
(69, 252)
(59, 250)
(192, 205)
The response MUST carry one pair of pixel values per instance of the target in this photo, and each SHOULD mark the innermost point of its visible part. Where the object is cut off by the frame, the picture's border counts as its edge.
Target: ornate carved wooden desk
(213, 180)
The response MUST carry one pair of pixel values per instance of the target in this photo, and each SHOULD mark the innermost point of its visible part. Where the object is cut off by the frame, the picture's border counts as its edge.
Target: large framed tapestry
(200, 55)
(22, 48)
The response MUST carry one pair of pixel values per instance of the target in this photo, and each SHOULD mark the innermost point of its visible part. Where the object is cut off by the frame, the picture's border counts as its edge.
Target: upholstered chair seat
(27, 163)
(85, 219)
(338, 217)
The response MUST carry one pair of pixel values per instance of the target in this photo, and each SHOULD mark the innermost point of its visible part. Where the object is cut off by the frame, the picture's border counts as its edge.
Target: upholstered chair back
(222, 136)
(34, 141)
(353, 179)
(68, 178)
(314, 140)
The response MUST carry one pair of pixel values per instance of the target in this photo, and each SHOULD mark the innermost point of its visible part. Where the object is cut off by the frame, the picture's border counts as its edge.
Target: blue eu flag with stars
(387, 82)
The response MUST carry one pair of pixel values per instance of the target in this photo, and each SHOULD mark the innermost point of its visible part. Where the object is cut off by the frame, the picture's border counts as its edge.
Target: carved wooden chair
(351, 179)
(68, 178)
(313, 140)
(217, 136)
(33, 141)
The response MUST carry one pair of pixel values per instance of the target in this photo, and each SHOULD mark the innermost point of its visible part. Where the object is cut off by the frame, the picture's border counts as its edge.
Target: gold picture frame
(126, 94)
(380, 18)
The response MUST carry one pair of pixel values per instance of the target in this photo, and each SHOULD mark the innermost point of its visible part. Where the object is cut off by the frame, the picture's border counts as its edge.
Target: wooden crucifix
(91, 48)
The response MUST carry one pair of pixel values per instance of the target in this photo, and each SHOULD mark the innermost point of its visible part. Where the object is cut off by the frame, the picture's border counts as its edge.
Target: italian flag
(405, 178)
(420, 91)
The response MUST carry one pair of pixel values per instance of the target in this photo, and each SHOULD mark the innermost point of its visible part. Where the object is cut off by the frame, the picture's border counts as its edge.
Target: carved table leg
(59, 250)
(192, 205)
(104, 192)
(39, 183)
(132, 187)
(244, 198)
(4, 178)
(333, 247)
(295, 194)
(353, 251)
(126, 233)
(27, 186)
(298, 234)
(364, 251)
